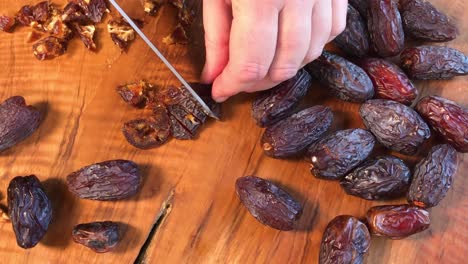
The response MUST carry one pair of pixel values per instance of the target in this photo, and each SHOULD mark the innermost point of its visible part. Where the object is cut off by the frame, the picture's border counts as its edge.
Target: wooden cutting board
(187, 210)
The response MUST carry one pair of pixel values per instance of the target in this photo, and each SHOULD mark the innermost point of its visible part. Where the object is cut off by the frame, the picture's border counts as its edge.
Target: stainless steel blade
(205, 107)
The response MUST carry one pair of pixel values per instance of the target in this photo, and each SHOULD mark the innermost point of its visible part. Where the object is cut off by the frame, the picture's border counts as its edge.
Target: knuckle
(251, 72)
(338, 29)
(283, 72)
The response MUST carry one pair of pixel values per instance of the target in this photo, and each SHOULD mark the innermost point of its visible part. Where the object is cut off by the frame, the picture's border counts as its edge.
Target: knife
(205, 107)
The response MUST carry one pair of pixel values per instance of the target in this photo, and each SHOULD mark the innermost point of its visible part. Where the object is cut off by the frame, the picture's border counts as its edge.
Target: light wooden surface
(187, 210)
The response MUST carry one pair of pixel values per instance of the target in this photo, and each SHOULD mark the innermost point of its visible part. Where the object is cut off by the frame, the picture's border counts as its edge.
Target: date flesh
(382, 178)
(354, 40)
(101, 237)
(73, 13)
(345, 80)
(152, 7)
(49, 48)
(390, 82)
(93, 9)
(122, 34)
(86, 34)
(268, 203)
(30, 210)
(433, 62)
(19, 121)
(337, 154)
(291, 136)
(135, 94)
(397, 221)
(345, 240)
(446, 117)
(279, 102)
(7, 24)
(433, 176)
(105, 181)
(385, 27)
(397, 126)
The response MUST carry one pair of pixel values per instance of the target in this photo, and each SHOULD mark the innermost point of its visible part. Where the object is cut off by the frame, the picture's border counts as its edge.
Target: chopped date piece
(73, 13)
(135, 94)
(86, 34)
(268, 203)
(433, 62)
(101, 237)
(93, 9)
(178, 36)
(361, 6)
(19, 121)
(293, 135)
(421, 20)
(385, 27)
(346, 80)
(58, 28)
(34, 36)
(354, 40)
(49, 48)
(446, 117)
(397, 126)
(382, 178)
(335, 155)
(152, 7)
(25, 15)
(105, 181)
(121, 32)
(345, 240)
(390, 82)
(30, 210)
(186, 119)
(433, 176)
(7, 24)
(279, 102)
(42, 11)
(397, 221)
(179, 131)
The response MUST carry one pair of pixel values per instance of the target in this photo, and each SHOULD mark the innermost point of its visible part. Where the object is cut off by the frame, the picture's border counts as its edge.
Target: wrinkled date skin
(30, 210)
(291, 136)
(390, 82)
(361, 6)
(345, 241)
(18, 121)
(396, 126)
(337, 154)
(7, 24)
(49, 48)
(382, 178)
(101, 237)
(354, 40)
(446, 117)
(433, 176)
(346, 80)
(106, 181)
(279, 102)
(433, 62)
(268, 203)
(421, 20)
(397, 221)
(385, 27)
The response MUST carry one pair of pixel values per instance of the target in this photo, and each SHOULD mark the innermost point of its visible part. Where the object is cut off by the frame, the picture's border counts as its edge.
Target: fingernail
(220, 99)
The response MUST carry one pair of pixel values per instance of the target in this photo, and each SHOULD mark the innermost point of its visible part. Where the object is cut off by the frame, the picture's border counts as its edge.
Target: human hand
(255, 45)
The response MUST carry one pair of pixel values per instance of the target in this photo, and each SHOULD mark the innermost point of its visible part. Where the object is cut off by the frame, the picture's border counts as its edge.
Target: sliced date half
(49, 48)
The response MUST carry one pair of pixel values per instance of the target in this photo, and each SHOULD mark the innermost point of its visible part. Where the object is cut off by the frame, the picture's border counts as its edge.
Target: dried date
(433, 176)
(73, 13)
(30, 210)
(135, 94)
(345, 80)
(104, 181)
(345, 240)
(122, 34)
(433, 62)
(49, 48)
(382, 178)
(268, 203)
(86, 34)
(354, 40)
(396, 126)
(7, 24)
(93, 9)
(337, 154)
(279, 102)
(291, 136)
(361, 6)
(25, 15)
(446, 117)
(101, 237)
(397, 221)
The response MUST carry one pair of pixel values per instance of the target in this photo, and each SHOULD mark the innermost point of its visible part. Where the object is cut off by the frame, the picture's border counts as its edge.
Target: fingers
(340, 9)
(217, 19)
(321, 28)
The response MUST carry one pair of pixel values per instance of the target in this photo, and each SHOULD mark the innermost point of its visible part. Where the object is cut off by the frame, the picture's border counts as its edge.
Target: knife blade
(205, 107)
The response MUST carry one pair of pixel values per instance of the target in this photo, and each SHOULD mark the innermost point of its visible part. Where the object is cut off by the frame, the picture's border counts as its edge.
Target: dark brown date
(86, 34)
(345, 241)
(361, 6)
(433, 176)
(433, 62)
(185, 123)
(279, 102)
(382, 178)
(30, 210)
(18, 121)
(121, 32)
(268, 203)
(345, 80)
(396, 126)
(93, 9)
(101, 237)
(291, 136)
(390, 82)
(354, 40)
(25, 15)
(7, 24)
(73, 13)
(421, 20)
(49, 48)
(446, 117)
(337, 154)
(108, 180)
(135, 94)
(385, 27)
(397, 221)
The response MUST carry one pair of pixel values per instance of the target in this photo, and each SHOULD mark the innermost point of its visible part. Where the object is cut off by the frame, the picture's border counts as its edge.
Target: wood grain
(187, 210)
